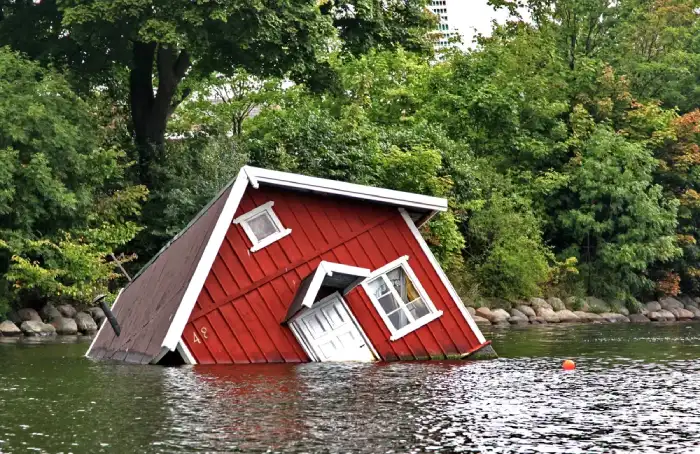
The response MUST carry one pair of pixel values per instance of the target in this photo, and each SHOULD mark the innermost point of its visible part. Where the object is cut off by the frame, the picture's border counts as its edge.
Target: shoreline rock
(538, 311)
(8, 328)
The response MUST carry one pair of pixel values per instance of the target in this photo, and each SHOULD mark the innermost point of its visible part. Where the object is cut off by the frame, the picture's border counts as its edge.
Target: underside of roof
(154, 308)
(328, 278)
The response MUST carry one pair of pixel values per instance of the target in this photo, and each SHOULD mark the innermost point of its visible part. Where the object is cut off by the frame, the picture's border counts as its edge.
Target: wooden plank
(242, 333)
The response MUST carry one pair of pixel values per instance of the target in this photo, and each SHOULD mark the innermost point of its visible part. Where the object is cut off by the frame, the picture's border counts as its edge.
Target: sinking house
(282, 267)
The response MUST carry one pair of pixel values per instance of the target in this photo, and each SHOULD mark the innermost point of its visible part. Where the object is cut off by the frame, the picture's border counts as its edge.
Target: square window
(262, 226)
(399, 298)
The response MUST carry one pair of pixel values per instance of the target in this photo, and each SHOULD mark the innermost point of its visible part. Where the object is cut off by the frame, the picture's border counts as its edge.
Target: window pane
(399, 319)
(403, 284)
(418, 308)
(262, 226)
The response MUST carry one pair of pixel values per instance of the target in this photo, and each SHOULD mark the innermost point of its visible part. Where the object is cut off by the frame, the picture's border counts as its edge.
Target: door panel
(331, 333)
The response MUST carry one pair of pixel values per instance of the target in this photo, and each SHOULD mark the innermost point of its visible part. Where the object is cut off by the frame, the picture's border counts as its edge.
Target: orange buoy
(568, 365)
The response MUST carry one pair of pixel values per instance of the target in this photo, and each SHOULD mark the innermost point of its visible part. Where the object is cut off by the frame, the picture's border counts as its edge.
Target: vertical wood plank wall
(246, 295)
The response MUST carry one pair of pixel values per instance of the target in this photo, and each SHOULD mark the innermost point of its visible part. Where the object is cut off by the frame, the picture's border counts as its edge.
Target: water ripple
(634, 390)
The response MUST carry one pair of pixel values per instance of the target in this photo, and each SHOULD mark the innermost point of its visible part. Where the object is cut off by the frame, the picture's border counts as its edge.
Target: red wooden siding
(238, 315)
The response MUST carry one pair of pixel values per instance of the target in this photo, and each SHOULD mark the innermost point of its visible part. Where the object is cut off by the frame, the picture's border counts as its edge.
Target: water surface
(636, 389)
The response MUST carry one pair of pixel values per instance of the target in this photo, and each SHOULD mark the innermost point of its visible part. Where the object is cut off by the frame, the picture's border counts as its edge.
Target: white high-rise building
(447, 33)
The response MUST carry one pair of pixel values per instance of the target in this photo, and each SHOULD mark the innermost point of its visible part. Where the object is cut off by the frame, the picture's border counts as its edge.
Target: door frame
(299, 336)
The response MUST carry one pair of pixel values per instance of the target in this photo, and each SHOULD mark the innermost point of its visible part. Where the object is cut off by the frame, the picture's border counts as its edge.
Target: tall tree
(161, 42)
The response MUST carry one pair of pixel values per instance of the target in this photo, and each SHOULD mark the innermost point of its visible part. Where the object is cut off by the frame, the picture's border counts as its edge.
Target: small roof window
(262, 226)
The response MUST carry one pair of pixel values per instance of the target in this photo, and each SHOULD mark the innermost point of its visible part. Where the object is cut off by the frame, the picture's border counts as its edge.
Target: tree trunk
(150, 110)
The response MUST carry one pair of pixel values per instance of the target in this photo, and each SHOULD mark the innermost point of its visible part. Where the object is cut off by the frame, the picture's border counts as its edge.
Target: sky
(473, 15)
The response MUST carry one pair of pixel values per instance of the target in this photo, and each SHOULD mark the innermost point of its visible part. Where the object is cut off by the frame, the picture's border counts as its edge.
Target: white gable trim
(104, 322)
(189, 299)
(357, 191)
(185, 353)
(254, 176)
(443, 277)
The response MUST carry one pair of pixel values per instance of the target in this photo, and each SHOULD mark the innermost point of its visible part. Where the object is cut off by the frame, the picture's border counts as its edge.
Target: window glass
(262, 226)
(395, 294)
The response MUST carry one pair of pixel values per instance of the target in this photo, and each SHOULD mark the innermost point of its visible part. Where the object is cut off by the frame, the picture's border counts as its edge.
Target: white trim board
(401, 262)
(194, 288)
(105, 321)
(443, 277)
(389, 196)
(185, 353)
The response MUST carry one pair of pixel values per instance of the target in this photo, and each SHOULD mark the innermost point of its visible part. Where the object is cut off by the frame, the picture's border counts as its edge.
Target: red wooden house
(282, 267)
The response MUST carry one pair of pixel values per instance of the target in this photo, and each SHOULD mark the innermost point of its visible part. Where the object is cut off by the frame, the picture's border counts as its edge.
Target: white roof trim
(194, 288)
(255, 176)
(327, 269)
(357, 191)
(443, 277)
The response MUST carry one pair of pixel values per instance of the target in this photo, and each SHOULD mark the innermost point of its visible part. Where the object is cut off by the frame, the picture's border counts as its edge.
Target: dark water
(636, 389)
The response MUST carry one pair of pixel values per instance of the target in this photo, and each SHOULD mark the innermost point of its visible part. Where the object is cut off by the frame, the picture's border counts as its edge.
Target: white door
(330, 333)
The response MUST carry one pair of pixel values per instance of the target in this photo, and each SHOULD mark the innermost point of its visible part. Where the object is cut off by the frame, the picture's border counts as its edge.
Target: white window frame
(259, 244)
(415, 324)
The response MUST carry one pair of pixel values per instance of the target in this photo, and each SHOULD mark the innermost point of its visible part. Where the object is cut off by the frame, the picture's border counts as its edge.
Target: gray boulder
(498, 316)
(484, 312)
(653, 306)
(14, 317)
(86, 324)
(585, 317)
(67, 310)
(681, 314)
(548, 315)
(481, 321)
(517, 313)
(26, 314)
(638, 318)
(614, 318)
(527, 310)
(566, 316)
(34, 328)
(49, 313)
(469, 309)
(668, 315)
(537, 303)
(65, 326)
(536, 320)
(518, 318)
(686, 300)
(503, 324)
(597, 305)
(669, 303)
(556, 303)
(7, 328)
(622, 310)
(661, 316)
(695, 311)
(98, 314)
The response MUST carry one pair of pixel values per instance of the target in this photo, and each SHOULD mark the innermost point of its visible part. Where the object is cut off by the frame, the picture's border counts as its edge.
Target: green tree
(64, 205)
(161, 43)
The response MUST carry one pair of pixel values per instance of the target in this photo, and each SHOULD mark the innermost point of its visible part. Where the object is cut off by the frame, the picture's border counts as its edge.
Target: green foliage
(568, 145)
(511, 261)
(612, 201)
(191, 174)
(63, 200)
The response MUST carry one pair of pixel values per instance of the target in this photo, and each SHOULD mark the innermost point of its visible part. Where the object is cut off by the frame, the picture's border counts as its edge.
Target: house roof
(163, 323)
